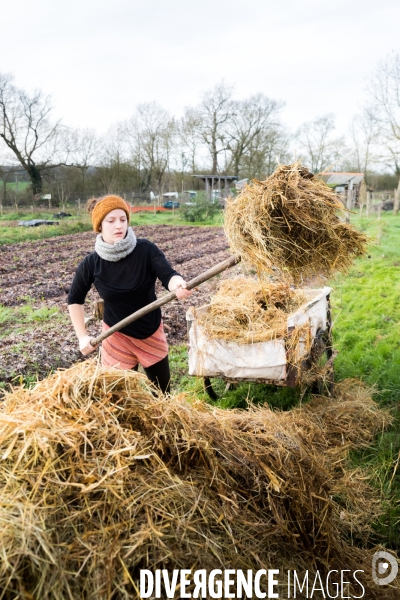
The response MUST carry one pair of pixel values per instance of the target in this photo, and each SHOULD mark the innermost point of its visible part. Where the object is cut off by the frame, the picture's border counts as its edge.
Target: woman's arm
(178, 285)
(162, 269)
(77, 314)
(81, 284)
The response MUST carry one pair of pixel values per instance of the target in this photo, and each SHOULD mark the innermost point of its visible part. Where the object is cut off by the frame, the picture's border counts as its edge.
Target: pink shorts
(125, 352)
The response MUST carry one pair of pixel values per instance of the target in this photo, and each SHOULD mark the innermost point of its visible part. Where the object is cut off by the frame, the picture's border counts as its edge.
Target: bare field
(35, 333)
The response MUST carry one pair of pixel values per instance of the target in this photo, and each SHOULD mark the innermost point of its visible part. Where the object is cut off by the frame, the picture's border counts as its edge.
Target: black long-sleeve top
(125, 286)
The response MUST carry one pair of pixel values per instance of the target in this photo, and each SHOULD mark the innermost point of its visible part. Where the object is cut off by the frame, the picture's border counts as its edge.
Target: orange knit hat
(106, 205)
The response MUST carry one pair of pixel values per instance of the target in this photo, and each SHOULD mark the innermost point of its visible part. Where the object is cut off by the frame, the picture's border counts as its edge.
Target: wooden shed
(350, 186)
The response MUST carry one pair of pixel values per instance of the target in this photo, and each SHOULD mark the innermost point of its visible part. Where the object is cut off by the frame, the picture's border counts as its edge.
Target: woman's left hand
(182, 293)
(178, 285)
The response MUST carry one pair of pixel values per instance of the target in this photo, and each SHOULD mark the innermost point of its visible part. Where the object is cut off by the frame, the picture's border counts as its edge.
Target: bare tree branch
(254, 118)
(385, 95)
(27, 131)
(215, 114)
(318, 149)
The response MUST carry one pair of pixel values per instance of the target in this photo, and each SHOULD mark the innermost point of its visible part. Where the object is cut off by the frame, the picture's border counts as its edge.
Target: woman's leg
(160, 375)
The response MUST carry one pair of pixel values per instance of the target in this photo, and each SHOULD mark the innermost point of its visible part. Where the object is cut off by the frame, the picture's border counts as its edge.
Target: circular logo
(384, 564)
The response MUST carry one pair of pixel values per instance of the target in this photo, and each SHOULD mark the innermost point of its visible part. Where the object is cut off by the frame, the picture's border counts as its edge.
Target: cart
(267, 362)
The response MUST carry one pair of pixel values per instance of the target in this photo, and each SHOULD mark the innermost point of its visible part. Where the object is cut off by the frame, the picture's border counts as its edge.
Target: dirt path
(38, 275)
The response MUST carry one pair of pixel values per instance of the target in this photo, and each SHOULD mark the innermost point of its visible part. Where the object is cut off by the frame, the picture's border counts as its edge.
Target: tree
(150, 135)
(8, 169)
(364, 136)
(113, 168)
(254, 120)
(267, 148)
(27, 131)
(318, 150)
(215, 114)
(385, 93)
(83, 147)
(61, 182)
(189, 134)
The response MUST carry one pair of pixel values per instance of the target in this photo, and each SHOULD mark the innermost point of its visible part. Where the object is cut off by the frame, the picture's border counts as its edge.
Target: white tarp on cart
(261, 360)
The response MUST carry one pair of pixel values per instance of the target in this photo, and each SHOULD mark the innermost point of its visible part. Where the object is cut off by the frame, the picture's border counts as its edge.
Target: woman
(124, 269)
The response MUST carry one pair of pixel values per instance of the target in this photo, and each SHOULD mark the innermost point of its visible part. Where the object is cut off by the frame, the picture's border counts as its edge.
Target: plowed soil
(39, 274)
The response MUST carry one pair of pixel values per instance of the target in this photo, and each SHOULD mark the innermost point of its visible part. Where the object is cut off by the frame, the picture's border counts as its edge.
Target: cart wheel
(321, 358)
(210, 390)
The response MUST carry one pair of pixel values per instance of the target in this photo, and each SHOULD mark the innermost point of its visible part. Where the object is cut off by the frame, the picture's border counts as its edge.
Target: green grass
(15, 235)
(25, 215)
(366, 309)
(180, 380)
(12, 233)
(20, 318)
(28, 322)
(11, 185)
(366, 305)
(173, 218)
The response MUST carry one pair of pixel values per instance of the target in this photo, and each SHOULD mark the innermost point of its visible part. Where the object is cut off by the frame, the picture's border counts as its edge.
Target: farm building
(217, 186)
(240, 185)
(350, 186)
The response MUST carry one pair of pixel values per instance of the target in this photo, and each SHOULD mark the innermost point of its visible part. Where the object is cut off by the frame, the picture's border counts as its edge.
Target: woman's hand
(178, 285)
(85, 346)
(78, 320)
(182, 293)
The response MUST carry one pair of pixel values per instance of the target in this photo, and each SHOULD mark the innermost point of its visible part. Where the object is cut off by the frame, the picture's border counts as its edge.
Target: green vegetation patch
(366, 305)
(366, 309)
(13, 186)
(17, 234)
(177, 218)
(27, 317)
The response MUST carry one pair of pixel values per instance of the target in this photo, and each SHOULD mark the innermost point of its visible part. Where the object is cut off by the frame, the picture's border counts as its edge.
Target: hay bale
(100, 477)
(294, 222)
(247, 311)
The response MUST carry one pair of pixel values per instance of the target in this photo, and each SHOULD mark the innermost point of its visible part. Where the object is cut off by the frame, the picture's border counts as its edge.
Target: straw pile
(246, 310)
(99, 478)
(292, 221)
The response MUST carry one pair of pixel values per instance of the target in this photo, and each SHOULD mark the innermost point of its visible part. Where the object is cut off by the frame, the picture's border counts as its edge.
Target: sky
(98, 59)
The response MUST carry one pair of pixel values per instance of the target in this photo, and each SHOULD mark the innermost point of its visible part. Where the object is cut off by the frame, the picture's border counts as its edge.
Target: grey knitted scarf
(115, 252)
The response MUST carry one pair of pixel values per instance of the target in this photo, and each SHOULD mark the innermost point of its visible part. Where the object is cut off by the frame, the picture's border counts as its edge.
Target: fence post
(349, 203)
(396, 202)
